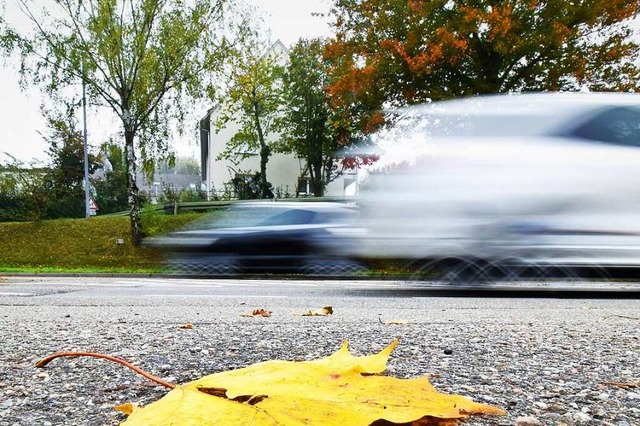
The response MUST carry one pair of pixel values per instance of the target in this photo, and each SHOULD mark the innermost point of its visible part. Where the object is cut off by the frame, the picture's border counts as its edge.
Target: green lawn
(83, 245)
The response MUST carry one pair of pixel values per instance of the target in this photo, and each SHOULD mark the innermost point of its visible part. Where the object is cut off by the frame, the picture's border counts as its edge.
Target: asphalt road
(546, 350)
(188, 300)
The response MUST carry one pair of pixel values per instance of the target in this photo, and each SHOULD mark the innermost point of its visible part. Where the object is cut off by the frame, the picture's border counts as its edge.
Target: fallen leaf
(257, 313)
(338, 389)
(327, 310)
(126, 408)
(187, 326)
(395, 322)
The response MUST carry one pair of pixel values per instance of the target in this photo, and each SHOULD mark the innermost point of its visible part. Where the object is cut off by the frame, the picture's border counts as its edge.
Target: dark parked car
(291, 237)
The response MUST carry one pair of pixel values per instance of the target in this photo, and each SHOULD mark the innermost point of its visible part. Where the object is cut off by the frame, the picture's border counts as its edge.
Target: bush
(171, 194)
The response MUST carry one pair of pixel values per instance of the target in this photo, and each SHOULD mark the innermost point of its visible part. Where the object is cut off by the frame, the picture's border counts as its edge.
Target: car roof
(546, 113)
(306, 205)
(546, 103)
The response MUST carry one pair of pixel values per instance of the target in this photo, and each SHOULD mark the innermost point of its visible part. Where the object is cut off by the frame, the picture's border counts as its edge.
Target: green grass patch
(84, 245)
(91, 246)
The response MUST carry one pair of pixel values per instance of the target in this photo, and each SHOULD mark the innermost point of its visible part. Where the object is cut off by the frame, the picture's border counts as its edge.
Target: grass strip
(98, 244)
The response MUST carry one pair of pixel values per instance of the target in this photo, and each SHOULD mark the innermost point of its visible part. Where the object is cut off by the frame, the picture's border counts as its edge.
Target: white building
(284, 171)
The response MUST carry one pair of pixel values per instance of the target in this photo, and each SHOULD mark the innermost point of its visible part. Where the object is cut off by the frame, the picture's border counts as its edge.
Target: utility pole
(87, 210)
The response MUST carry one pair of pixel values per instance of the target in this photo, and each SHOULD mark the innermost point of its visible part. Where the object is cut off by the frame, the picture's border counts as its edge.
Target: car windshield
(619, 126)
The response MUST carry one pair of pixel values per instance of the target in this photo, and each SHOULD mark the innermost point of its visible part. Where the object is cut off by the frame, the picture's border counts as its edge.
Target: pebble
(553, 417)
(528, 421)
(541, 405)
(557, 408)
(581, 417)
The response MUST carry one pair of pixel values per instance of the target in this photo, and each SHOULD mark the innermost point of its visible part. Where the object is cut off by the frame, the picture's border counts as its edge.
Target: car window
(291, 217)
(269, 215)
(619, 126)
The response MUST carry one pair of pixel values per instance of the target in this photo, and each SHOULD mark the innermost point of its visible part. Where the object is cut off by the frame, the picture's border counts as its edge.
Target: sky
(21, 122)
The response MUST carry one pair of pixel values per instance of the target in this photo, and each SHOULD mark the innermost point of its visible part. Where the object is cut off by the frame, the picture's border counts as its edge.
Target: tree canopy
(307, 125)
(63, 180)
(53, 191)
(253, 102)
(111, 187)
(398, 52)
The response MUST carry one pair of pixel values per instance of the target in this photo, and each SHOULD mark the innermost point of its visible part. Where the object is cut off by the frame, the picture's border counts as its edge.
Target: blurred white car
(549, 180)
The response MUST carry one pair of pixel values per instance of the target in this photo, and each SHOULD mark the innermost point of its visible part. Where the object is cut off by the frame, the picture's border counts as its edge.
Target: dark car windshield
(250, 216)
(291, 217)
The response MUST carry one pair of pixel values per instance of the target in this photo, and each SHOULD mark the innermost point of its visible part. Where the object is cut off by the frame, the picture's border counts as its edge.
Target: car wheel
(456, 271)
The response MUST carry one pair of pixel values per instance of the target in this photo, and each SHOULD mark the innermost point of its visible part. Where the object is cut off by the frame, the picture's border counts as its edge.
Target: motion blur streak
(544, 182)
(265, 236)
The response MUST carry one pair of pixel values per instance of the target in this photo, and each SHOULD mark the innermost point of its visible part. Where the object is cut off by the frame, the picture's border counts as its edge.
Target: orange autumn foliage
(398, 52)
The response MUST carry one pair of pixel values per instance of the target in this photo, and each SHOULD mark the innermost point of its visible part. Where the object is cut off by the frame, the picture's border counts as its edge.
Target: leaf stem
(44, 361)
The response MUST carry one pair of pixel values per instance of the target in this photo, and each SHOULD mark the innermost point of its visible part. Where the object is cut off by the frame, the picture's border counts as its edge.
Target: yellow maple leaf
(340, 388)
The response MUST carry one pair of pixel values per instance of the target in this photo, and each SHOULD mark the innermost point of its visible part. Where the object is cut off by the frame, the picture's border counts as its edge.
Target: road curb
(207, 277)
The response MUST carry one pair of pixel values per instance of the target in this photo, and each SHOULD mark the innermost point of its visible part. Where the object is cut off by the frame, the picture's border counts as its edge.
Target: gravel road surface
(545, 360)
